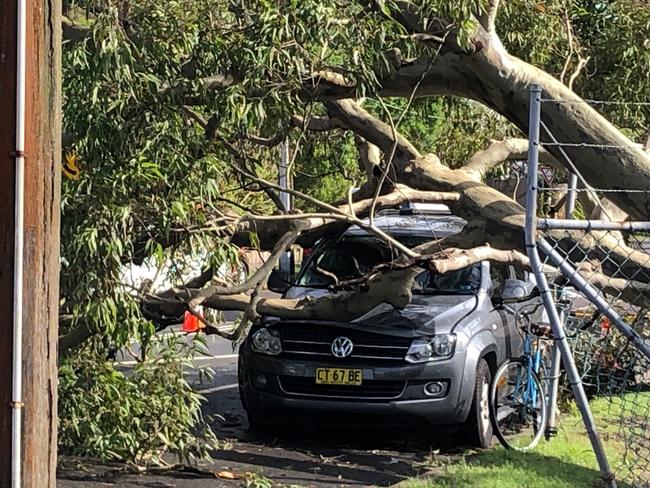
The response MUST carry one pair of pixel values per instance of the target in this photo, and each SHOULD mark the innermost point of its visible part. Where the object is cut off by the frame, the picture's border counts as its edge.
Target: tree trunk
(41, 233)
(492, 216)
(502, 82)
(506, 82)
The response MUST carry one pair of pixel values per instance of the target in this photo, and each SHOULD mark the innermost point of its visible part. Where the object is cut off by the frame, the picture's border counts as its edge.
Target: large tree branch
(499, 152)
(454, 259)
(428, 174)
(632, 292)
(350, 114)
(389, 283)
(488, 18)
(393, 288)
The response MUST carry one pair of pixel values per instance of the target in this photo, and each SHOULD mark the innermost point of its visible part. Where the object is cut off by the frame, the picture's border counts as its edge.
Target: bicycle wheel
(517, 406)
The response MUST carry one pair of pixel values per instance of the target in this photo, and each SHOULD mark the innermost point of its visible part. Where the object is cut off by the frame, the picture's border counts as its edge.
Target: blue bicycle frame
(529, 396)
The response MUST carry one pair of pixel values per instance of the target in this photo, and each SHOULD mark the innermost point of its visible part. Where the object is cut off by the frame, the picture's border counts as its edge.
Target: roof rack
(418, 209)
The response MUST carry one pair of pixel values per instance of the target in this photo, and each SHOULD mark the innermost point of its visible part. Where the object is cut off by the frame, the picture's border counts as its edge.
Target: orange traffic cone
(190, 323)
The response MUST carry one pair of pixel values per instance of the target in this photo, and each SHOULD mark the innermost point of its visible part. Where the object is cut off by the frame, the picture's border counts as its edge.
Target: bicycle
(518, 400)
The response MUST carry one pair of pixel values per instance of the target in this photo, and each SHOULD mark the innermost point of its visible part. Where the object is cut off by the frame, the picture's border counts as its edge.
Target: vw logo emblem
(342, 347)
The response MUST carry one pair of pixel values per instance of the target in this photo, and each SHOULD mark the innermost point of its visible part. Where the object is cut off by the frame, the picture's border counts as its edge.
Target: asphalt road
(288, 455)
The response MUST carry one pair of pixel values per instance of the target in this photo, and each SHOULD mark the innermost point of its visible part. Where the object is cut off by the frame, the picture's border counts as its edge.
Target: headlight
(443, 345)
(437, 347)
(266, 341)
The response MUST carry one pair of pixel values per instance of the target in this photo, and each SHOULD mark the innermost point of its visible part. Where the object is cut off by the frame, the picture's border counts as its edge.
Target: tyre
(256, 422)
(477, 429)
(241, 376)
(518, 407)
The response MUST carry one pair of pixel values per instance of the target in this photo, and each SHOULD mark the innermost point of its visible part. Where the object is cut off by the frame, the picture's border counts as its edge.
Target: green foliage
(135, 416)
(326, 167)
(617, 37)
(145, 177)
(614, 38)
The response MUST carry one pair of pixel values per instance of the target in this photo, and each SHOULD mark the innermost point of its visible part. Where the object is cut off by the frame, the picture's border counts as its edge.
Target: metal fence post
(546, 295)
(553, 382)
(570, 204)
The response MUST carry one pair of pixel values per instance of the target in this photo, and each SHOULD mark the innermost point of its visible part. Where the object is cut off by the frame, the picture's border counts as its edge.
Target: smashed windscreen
(346, 259)
(462, 281)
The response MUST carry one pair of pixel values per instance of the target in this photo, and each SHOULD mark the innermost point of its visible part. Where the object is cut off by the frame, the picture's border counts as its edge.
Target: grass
(565, 462)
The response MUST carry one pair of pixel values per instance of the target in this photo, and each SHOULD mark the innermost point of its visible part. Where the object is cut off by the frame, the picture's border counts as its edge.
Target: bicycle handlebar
(520, 313)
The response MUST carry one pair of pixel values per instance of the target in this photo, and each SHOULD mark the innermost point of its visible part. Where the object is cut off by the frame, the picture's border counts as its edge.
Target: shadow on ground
(332, 455)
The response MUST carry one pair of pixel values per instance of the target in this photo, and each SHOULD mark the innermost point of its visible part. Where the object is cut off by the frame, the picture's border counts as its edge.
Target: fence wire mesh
(612, 367)
(611, 351)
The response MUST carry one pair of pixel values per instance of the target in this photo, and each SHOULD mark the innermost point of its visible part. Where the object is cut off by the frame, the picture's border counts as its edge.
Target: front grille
(368, 390)
(315, 341)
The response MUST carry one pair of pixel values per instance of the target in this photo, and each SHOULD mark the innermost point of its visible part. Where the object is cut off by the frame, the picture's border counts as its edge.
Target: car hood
(429, 314)
(426, 314)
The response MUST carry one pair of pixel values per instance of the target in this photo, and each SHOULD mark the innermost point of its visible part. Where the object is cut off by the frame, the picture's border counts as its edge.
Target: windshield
(460, 282)
(345, 260)
(354, 257)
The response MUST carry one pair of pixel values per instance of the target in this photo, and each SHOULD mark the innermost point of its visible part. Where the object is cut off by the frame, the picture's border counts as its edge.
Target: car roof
(413, 222)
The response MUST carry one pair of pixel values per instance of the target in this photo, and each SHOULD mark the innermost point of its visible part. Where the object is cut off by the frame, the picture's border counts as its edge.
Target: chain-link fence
(597, 273)
(612, 367)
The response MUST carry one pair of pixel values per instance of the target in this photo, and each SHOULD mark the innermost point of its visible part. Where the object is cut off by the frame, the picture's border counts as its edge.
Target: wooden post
(41, 252)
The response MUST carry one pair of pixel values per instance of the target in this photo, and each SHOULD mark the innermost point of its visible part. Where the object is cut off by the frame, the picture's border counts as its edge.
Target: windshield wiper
(315, 286)
(437, 291)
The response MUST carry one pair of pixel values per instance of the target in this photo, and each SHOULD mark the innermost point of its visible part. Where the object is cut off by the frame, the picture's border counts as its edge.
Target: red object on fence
(604, 326)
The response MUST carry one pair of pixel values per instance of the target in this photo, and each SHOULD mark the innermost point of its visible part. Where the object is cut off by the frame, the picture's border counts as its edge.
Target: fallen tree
(458, 53)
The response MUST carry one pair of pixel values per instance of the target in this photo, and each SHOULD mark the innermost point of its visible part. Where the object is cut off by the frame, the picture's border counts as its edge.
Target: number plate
(338, 376)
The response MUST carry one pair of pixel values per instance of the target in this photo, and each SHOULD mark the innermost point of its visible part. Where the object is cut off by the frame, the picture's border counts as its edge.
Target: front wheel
(477, 429)
(517, 406)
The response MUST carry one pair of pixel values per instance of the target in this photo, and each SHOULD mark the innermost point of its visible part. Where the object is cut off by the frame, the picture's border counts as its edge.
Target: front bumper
(275, 401)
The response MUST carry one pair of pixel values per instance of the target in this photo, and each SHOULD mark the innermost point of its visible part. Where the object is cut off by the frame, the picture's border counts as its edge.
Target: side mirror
(497, 301)
(279, 281)
(515, 291)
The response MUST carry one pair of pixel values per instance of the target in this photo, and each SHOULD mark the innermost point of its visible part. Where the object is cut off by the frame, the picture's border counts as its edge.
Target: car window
(466, 280)
(499, 273)
(351, 258)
